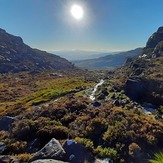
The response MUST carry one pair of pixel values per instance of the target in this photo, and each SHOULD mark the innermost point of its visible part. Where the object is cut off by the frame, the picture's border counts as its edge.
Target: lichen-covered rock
(48, 161)
(8, 159)
(52, 150)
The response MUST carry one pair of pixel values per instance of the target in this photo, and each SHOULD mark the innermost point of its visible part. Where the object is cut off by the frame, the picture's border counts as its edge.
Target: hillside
(15, 56)
(108, 61)
(142, 76)
(110, 115)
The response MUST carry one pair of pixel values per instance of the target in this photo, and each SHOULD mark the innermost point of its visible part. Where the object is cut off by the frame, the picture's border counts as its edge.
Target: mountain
(75, 55)
(142, 76)
(15, 56)
(108, 61)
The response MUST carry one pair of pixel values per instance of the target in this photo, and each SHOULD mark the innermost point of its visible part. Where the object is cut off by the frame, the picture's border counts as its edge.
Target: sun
(77, 12)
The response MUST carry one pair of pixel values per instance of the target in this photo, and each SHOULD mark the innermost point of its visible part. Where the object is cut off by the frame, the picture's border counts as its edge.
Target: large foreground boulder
(52, 150)
(8, 159)
(48, 161)
(77, 153)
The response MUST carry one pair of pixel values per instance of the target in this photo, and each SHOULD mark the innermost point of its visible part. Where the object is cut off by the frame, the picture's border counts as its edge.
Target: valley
(55, 112)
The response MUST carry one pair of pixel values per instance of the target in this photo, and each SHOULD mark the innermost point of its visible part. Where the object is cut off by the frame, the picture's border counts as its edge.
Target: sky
(107, 25)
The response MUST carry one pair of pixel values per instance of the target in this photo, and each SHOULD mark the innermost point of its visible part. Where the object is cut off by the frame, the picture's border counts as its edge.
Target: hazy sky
(107, 25)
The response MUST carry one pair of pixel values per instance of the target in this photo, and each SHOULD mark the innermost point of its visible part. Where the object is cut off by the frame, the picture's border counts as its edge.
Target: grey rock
(5, 122)
(106, 160)
(101, 97)
(116, 103)
(96, 104)
(48, 161)
(125, 101)
(77, 153)
(2, 147)
(52, 150)
(135, 88)
(8, 159)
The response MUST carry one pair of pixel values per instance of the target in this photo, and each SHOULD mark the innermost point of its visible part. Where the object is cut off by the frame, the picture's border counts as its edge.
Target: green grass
(54, 89)
(158, 158)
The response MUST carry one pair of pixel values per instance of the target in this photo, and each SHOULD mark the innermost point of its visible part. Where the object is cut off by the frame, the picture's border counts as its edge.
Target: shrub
(49, 132)
(25, 157)
(24, 129)
(85, 142)
(106, 152)
(17, 147)
(59, 132)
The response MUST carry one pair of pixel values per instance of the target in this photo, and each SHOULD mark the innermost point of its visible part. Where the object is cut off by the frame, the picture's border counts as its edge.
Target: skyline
(107, 25)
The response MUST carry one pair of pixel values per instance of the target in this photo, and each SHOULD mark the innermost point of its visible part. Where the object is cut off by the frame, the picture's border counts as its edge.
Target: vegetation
(59, 107)
(158, 158)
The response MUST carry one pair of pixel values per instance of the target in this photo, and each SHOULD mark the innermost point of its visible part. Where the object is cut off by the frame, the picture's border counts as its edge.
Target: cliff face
(142, 76)
(155, 38)
(15, 56)
(154, 45)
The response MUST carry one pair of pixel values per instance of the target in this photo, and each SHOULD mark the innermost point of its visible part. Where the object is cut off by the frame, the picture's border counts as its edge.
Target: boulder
(52, 150)
(77, 153)
(116, 103)
(135, 88)
(96, 104)
(5, 122)
(8, 159)
(101, 96)
(106, 160)
(48, 161)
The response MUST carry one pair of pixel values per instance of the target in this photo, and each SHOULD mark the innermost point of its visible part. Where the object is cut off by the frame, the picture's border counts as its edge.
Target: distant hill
(108, 61)
(75, 55)
(15, 56)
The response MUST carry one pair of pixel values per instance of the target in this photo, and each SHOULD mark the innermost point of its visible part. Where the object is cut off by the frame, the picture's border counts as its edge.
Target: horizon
(107, 26)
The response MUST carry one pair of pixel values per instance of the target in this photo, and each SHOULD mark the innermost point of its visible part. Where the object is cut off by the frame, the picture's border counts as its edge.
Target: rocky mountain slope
(15, 56)
(108, 61)
(142, 76)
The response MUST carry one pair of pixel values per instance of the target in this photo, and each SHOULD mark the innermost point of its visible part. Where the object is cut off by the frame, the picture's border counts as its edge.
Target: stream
(92, 96)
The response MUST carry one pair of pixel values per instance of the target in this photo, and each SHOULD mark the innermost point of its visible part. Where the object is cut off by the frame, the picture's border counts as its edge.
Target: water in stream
(92, 96)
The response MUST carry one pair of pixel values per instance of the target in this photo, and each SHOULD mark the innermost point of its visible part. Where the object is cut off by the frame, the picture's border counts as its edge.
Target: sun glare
(77, 12)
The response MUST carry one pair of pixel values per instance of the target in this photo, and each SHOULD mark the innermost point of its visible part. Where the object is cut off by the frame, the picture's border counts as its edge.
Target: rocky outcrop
(5, 122)
(155, 38)
(48, 161)
(135, 88)
(52, 150)
(8, 159)
(154, 45)
(158, 51)
(76, 152)
(15, 56)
